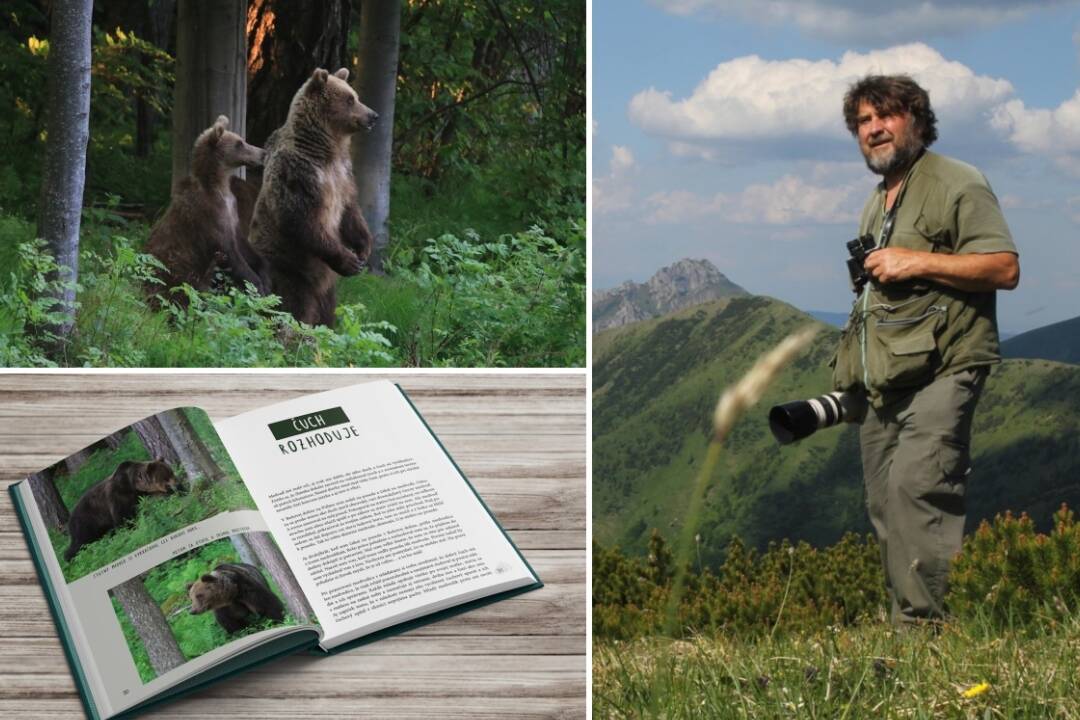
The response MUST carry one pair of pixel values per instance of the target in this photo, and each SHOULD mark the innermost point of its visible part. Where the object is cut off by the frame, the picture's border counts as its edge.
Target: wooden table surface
(519, 438)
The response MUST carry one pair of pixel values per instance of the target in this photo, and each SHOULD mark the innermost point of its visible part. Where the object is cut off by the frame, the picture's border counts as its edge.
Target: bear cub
(203, 228)
(307, 225)
(238, 594)
(112, 502)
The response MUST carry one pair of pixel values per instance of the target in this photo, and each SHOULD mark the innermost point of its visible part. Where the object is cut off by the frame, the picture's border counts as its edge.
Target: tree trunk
(50, 504)
(68, 128)
(273, 561)
(211, 76)
(193, 453)
(115, 440)
(243, 549)
(287, 40)
(156, 441)
(73, 462)
(376, 81)
(150, 625)
(157, 18)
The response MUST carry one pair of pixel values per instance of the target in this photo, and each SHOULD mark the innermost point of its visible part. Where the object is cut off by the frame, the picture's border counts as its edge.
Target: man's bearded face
(888, 142)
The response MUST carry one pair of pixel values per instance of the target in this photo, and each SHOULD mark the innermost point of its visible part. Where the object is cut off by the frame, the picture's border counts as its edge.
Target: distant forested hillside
(656, 384)
(1059, 342)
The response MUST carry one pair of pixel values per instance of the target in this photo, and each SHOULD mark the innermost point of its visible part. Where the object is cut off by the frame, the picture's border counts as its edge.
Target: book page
(377, 523)
(124, 529)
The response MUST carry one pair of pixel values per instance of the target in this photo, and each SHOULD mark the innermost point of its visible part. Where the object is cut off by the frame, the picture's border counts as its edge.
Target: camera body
(859, 249)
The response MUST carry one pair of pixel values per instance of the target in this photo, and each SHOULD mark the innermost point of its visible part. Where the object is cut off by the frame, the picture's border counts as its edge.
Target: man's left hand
(894, 264)
(972, 272)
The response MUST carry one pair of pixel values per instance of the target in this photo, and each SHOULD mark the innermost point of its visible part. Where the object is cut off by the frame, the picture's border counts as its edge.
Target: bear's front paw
(350, 264)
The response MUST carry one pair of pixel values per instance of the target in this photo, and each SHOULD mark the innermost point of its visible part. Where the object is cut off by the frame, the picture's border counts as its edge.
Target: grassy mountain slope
(656, 384)
(1060, 342)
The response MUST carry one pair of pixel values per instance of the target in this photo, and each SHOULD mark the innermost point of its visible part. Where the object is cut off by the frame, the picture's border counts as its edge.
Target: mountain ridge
(685, 283)
(656, 382)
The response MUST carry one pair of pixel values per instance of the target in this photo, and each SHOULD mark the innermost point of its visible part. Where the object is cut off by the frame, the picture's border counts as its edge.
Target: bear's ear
(218, 128)
(343, 73)
(207, 578)
(318, 78)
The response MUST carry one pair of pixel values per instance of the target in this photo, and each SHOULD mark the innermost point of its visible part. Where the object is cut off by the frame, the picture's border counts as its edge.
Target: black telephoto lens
(792, 421)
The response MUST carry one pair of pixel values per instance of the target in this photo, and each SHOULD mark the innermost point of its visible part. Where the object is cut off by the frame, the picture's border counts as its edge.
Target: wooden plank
(519, 437)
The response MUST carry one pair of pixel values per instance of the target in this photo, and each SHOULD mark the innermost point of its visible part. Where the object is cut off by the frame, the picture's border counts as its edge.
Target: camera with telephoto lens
(795, 420)
(859, 248)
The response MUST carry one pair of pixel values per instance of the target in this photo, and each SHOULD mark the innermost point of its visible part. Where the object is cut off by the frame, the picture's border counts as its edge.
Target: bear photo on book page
(352, 523)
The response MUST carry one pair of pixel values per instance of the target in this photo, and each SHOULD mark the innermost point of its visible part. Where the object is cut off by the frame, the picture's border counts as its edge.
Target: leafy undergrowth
(513, 300)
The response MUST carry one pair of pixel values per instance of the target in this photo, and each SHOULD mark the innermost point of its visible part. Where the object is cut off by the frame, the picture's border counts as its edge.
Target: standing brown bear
(307, 225)
(238, 594)
(113, 501)
(202, 229)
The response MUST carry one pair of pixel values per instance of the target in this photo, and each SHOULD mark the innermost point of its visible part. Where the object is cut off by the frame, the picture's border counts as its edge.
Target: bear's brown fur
(206, 224)
(307, 224)
(113, 501)
(238, 594)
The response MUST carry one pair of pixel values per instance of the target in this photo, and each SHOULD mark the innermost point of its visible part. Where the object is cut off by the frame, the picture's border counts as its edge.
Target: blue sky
(717, 133)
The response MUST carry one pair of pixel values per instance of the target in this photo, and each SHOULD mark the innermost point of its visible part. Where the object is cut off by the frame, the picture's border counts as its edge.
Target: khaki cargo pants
(916, 460)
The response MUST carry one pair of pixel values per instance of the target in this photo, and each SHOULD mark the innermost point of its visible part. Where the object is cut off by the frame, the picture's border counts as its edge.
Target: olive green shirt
(901, 336)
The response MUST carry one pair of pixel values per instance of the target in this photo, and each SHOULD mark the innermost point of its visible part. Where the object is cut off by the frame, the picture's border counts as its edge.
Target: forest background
(484, 261)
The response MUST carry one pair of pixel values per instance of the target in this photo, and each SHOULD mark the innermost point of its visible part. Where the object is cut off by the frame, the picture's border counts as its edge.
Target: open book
(178, 550)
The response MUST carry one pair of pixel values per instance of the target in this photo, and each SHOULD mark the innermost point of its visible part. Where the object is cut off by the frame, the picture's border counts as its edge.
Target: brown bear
(113, 501)
(238, 594)
(307, 224)
(206, 224)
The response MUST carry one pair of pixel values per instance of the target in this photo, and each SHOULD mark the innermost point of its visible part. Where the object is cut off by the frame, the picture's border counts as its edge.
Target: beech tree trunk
(273, 561)
(115, 440)
(157, 19)
(73, 462)
(376, 81)
(50, 504)
(156, 441)
(150, 625)
(211, 75)
(193, 453)
(68, 128)
(243, 549)
(287, 40)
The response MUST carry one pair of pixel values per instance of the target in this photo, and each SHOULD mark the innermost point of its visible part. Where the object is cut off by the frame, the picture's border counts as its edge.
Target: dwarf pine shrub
(1013, 575)
(788, 587)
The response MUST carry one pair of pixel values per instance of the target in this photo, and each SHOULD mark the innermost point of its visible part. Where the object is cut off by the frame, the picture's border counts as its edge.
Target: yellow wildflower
(976, 690)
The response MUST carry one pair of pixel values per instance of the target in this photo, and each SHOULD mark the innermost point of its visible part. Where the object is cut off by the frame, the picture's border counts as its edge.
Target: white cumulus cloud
(869, 22)
(614, 192)
(750, 98)
(790, 200)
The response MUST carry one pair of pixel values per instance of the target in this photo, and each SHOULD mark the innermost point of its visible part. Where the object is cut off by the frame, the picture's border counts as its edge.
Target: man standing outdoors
(921, 336)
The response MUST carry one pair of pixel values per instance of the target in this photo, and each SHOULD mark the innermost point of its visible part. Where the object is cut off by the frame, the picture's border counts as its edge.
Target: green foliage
(1014, 576)
(198, 634)
(156, 517)
(28, 304)
(516, 301)
(123, 68)
(789, 588)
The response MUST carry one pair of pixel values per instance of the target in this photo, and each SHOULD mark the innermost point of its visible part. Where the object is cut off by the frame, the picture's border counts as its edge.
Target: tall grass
(870, 671)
